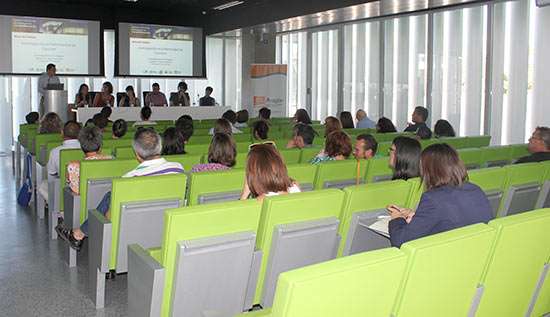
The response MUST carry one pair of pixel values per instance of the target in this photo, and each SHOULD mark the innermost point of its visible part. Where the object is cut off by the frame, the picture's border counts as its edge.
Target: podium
(55, 101)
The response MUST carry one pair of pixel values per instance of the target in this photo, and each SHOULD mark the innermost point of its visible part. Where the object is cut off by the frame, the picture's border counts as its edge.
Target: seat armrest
(146, 278)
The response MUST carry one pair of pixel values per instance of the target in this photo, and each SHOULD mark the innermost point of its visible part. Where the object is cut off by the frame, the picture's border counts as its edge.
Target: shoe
(67, 235)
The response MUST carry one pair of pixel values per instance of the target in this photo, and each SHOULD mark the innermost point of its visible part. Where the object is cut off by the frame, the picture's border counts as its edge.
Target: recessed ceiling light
(228, 5)
(130, 0)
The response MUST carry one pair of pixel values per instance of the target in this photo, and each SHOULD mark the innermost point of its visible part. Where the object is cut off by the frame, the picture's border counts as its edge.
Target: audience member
(105, 97)
(51, 123)
(242, 119)
(100, 121)
(207, 100)
(385, 125)
(181, 98)
(120, 127)
(83, 97)
(222, 126)
(405, 158)
(302, 137)
(332, 124)
(449, 201)
(156, 98)
(129, 98)
(106, 112)
(231, 117)
(221, 154)
(423, 133)
(184, 126)
(301, 116)
(266, 174)
(90, 139)
(337, 147)
(260, 130)
(363, 122)
(419, 117)
(347, 120)
(365, 147)
(172, 142)
(147, 146)
(264, 114)
(32, 117)
(539, 146)
(443, 129)
(145, 115)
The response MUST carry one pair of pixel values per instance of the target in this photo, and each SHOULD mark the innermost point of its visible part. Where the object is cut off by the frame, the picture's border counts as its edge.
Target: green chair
(339, 174)
(201, 131)
(41, 140)
(542, 303)
(242, 147)
(544, 197)
(492, 182)
(124, 153)
(296, 230)
(211, 187)
(456, 143)
(303, 174)
(363, 205)
(523, 184)
(379, 170)
(517, 259)
(309, 153)
(116, 143)
(290, 156)
(417, 189)
(518, 151)
(242, 137)
(197, 149)
(212, 241)
(478, 141)
(471, 157)
(200, 139)
(443, 271)
(186, 160)
(355, 286)
(44, 152)
(496, 155)
(383, 148)
(240, 160)
(136, 216)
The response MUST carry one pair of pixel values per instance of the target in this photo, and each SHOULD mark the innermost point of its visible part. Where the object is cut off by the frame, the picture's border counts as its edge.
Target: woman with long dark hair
(405, 158)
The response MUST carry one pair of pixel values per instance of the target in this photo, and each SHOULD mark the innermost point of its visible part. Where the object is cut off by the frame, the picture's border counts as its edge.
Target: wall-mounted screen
(30, 43)
(160, 50)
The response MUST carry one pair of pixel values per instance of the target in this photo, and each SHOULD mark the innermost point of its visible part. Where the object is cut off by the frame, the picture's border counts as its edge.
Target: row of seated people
(444, 176)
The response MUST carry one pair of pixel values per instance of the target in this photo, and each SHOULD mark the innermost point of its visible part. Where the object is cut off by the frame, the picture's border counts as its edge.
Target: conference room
(275, 158)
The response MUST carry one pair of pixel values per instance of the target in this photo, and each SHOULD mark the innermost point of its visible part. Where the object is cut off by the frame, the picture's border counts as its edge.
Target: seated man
(207, 100)
(303, 136)
(147, 146)
(539, 146)
(365, 147)
(419, 117)
(363, 122)
(156, 98)
(145, 115)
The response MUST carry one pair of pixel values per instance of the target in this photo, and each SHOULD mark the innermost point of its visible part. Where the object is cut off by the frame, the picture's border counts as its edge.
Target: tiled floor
(34, 279)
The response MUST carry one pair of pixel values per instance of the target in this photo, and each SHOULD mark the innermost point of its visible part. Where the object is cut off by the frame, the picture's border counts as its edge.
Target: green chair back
(242, 137)
(515, 264)
(292, 208)
(135, 189)
(496, 155)
(290, 156)
(214, 182)
(378, 169)
(309, 153)
(43, 139)
(200, 139)
(383, 149)
(339, 171)
(186, 160)
(100, 170)
(493, 182)
(124, 153)
(241, 159)
(49, 147)
(443, 272)
(542, 305)
(478, 141)
(519, 151)
(355, 286)
(201, 222)
(471, 157)
(197, 149)
(303, 174)
(24, 131)
(116, 143)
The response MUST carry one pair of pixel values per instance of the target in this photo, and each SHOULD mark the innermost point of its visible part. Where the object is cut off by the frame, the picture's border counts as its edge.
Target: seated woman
(129, 98)
(449, 201)
(266, 174)
(172, 142)
(385, 125)
(332, 124)
(90, 139)
(83, 97)
(221, 154)
(105, 97)
(51, 123)
(242, 119)
(337, 147)
(301, 116)
(222, 126)
(444, 129)
(347, 120)
(120, 127)
(405, 158)
(260, 129)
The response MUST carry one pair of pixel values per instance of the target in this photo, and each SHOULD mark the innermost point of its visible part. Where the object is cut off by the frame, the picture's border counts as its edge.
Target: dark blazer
(442, 209)
(414, 127)
(535, 157)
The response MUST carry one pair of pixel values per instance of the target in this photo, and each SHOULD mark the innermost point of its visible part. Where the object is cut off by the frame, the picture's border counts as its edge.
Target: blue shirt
(366, 123)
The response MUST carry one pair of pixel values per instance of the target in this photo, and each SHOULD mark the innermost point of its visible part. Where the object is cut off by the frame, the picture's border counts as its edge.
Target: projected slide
(159, 50)
(37, 42)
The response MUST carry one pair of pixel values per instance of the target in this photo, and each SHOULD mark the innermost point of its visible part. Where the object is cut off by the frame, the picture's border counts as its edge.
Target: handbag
(25, 192)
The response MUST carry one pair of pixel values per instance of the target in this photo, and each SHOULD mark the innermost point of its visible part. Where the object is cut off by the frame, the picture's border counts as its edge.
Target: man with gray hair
(363, 122)
(539, 146)
(147, 146)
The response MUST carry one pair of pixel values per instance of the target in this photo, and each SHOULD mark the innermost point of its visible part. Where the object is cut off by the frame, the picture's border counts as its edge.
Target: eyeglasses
(262, 143)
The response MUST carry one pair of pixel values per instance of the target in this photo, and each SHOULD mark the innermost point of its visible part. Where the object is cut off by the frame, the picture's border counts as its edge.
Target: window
(324, 87)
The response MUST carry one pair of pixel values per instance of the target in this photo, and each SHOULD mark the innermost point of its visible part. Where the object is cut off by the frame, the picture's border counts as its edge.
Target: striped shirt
(155, 167)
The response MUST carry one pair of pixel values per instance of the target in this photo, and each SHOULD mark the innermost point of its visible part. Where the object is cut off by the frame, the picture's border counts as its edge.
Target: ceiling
(193, 5)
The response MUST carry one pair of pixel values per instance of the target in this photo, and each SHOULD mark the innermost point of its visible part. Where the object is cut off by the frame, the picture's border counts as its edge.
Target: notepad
(381, 226)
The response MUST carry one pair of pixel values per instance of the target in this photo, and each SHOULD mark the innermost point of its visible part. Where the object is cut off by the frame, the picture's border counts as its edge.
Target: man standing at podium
(44, 80)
